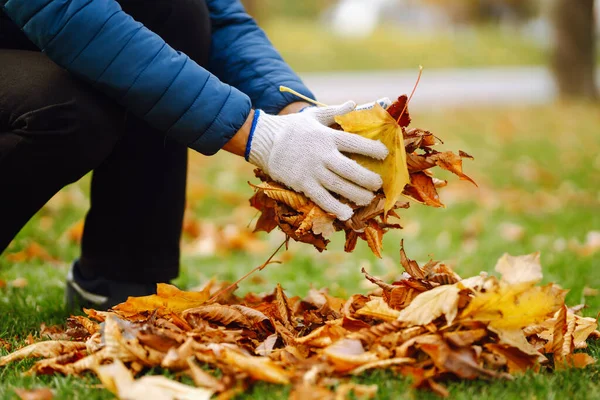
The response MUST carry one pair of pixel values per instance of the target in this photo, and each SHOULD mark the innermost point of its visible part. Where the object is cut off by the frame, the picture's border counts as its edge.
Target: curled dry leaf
(259, 368)
(117, 378)
(48, 349)
(348, 354)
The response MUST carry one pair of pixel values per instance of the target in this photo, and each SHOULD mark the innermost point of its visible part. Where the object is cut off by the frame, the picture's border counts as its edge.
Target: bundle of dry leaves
(430, 325)
(405, 173)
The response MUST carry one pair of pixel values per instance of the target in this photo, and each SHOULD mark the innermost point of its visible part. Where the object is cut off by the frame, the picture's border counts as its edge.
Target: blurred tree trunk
(574, 58)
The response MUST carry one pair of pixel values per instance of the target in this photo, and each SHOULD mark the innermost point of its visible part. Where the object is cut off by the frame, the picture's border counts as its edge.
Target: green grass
(308, 46)
(536, 167)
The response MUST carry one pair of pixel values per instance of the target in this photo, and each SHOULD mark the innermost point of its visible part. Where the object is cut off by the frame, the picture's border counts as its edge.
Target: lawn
(539, 189)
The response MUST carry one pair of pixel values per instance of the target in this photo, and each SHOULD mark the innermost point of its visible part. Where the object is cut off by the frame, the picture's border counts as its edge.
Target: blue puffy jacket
(97, 41)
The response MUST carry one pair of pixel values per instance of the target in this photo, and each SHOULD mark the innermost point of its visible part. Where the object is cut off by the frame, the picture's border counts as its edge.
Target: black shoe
(100, 293)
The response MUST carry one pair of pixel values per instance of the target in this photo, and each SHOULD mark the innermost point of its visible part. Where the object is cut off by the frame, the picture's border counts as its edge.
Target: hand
(302, 152)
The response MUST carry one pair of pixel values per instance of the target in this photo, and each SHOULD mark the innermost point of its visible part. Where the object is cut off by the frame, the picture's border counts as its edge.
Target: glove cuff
(262, 136)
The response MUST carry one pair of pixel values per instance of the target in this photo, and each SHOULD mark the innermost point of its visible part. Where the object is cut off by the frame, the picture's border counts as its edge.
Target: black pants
(54, 129)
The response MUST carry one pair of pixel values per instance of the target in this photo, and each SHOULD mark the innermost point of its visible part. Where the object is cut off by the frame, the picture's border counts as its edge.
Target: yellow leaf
(520, 269)
(431, 304)
(514, 307)
(167, 297)
(378, 308)
(377, 124)
(259, 368)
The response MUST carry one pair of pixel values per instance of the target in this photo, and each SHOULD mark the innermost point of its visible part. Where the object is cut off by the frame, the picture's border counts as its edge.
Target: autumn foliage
(406, 174)
(430, 324)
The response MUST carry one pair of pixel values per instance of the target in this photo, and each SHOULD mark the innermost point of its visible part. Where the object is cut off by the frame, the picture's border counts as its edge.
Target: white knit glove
(302, 152)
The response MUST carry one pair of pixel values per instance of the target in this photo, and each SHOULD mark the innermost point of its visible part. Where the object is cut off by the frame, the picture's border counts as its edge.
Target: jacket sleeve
(99, 42)
(243, 56)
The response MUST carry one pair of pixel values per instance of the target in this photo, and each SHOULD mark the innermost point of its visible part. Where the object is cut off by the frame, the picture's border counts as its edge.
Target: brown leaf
(396, 109)
(348, 354)
(374, 235)
(216, 312)
(517, 361)
(48, 349)
(34, 251)
(204, 379)
(460, 362)
(410, 266)
(117, 378)
(283, 307)
(422, 189)
(259, 368)
(34, 394)
(465, 338)
(453, 163)
(579, 360)
(361, 392)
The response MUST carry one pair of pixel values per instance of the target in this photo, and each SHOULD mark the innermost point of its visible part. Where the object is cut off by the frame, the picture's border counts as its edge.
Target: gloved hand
(302, 152)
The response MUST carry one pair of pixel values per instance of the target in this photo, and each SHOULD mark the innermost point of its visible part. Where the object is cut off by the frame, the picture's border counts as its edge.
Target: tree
(573, 59)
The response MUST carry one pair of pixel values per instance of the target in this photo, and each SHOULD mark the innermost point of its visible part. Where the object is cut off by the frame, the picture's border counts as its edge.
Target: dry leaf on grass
(119, 380)
(34, 394)
(430, 325)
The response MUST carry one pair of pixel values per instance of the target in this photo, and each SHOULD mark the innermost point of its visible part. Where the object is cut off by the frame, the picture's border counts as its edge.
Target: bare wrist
(237, 144)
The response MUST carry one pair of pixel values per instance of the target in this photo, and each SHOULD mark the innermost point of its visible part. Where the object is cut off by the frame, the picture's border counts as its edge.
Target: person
(123, 88)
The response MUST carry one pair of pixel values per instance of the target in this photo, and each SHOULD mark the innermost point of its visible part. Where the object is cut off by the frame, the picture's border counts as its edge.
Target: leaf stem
(412, 93)
(303, 97)
(259, 268)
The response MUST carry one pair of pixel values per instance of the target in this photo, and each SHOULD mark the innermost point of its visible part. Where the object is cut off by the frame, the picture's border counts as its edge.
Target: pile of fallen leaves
(405, 173)
(430, 325)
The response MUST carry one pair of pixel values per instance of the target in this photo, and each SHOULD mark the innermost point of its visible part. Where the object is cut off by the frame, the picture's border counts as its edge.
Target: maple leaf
(377, 124)
(514, 306)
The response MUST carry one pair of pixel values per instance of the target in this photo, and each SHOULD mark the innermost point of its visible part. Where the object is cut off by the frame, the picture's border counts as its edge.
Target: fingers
(327, 202)
(351, 143)
(353, 172)
(347, 189)
(384, 102)
(326, 115)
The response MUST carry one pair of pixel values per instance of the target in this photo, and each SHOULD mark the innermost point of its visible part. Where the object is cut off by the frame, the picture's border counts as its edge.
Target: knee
(52, 108)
